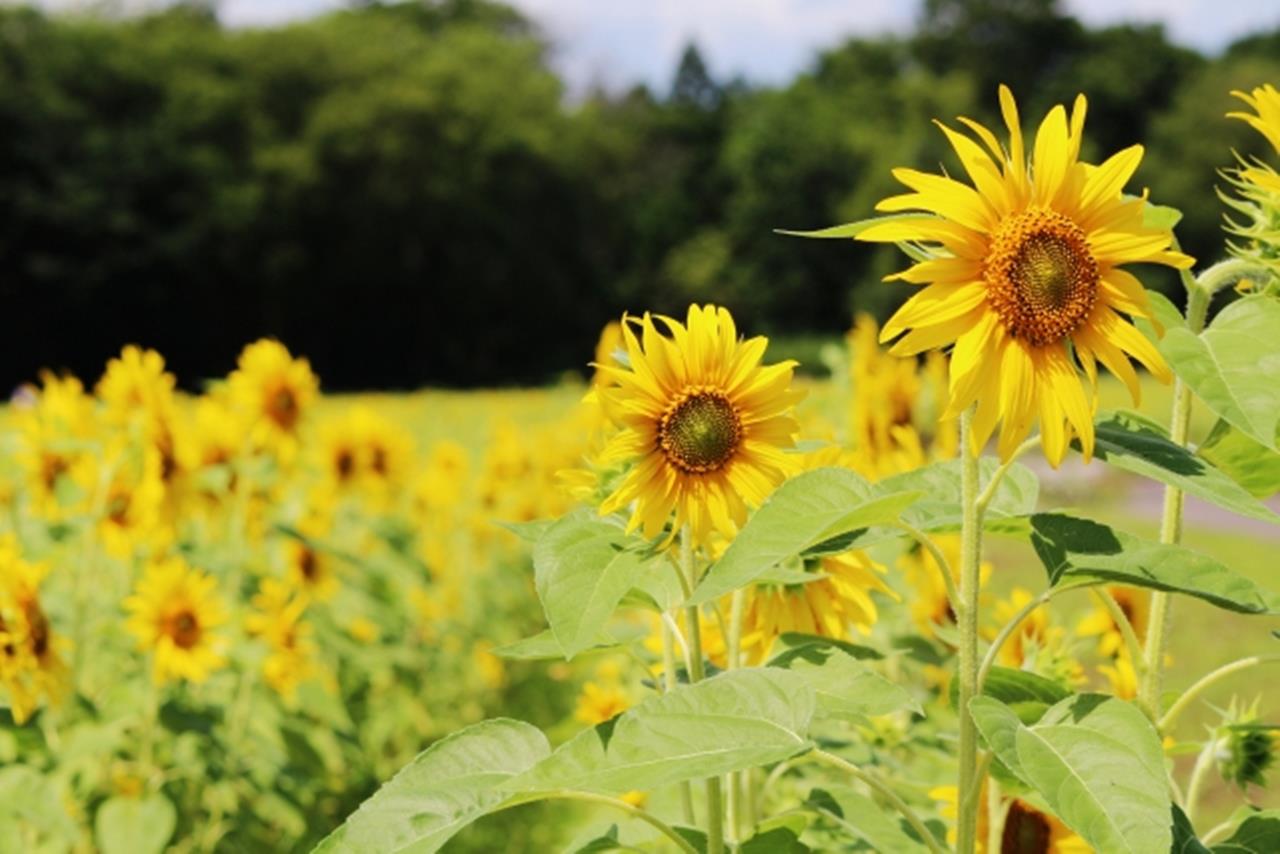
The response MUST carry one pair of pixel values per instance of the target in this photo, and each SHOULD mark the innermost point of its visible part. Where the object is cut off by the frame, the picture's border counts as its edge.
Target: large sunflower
(1026, 277)
(704, 422)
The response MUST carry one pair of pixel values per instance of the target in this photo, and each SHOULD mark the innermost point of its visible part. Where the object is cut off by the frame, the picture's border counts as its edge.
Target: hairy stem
(737, 782)
(715, 808)
(671, 681)
(967, 618)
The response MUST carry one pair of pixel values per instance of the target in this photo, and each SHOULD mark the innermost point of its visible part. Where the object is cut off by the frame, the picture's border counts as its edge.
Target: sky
(618, 42)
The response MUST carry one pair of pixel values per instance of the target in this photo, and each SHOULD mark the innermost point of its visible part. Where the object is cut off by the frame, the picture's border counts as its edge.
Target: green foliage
(1257, 834)
(809, 509)
(864, 819)
(1096, 761)
(1077, 551)
(1232, 366)
(1249, 463)
(449, 785)
(735, 720)
(141, 825)
(1132, 443)
(843, 686)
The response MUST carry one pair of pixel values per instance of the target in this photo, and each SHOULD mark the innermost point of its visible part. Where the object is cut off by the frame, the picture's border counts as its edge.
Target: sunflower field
(993, 575)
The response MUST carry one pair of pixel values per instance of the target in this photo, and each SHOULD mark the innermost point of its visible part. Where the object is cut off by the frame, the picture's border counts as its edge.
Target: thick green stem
(1199, 294)
(715, 807)
(967, 618)
(737, 782)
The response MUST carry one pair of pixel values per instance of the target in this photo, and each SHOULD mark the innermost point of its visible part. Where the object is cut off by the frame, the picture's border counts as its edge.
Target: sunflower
(174, 613)
(1257, 185)
(1038, 644)
(930, 608)
(832, 606)
(1121, 676)
(704, 422)
(1028, 829)
(30, 665)
(1265, 102)
(309, 568)
(136, 386)
(274, 391)
(600, 702)
(132, 504)
(1026, 277)
(278, 622)
(362, 448)
(56, 429)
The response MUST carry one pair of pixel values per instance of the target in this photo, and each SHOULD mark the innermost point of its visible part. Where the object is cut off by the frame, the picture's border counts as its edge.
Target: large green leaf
(1027, 694)
(864, 819)
(1253, 466)
(139, 825)
(1134, 444)
(1098, 764)
(448, 786)
(1232, 366)
(582, 569)
(1257, 834)
(844, 687)
(736, 720)
(940, 482)
(544, 646)
(1185, 840)
(1081, 551)
(808, 509)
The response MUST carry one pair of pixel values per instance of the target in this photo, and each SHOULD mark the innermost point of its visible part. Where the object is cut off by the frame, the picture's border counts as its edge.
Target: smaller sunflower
(311, 569)
(278, 622)
(174, 613)
(274, 390)
(30, 665)
(600, 702)
(136, 385)
(705, 424)
(834, 606)
(1133, 603)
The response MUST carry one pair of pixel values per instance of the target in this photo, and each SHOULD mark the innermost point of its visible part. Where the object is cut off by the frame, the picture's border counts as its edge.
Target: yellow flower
(30, 665)
(704, 422)
(363, 629)
(1257, 185)
(1037, 644)
(174, 613)
(492, 670)
(291, 651)
(362, 448)
(1027, 828)
(1027, 273)
(929, 606)
(132, 504)
(136, 387)
(600, 702)
(1265, 101)
(832, 606)
(56, 430)
(274, 391)
(1134, 604)
(1121, 677)
(309, 568)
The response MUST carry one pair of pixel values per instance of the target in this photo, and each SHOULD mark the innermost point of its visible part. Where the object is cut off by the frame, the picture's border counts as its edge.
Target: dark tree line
(403, 193)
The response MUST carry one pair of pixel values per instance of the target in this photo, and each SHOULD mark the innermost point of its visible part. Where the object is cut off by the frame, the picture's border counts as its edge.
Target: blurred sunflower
(1027, 828)
(362, 448)
(57, 430)
(309, 568)
(174, 613)
(278, 622)
(831, 606)
(1256, 184)
(136, 386)
(133, 500)
(274, 390)
(1026, 271)
(929, 606)
(1038, 644)
(600, 702)
(1121, 676)
(35, 667)
(704, 422)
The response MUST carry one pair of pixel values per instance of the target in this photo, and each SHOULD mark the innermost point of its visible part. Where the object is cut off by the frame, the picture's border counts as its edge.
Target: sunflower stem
(1209, 679)
(1199, 295)
(1199, 774)
(737, 782)
(671, 682)
(715, 809)
(967, 618)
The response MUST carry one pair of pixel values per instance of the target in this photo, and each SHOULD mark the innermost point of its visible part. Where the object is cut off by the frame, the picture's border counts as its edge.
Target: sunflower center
(1026, 831)
(282, 407)
(1042, 278)
(700, 432)
(184, 628)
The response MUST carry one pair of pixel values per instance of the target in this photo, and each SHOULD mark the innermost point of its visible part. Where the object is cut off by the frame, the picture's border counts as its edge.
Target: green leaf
(140, 825)
(544, 646)
(844, 687)
(582, 569)
(1027, 694)
(862, 817)
(806, 510)
(735, 720)
(858, 651)
(1136, 445)
(448, 786)
(1083, 551)
(1257, 834)
(1232, 366)
(1098, 764)
(940, 482)
(1253, 466)
(775, 840)
(607, 841)
(1185, 840)
(847, 231)
(1162, 217)
(531, 531)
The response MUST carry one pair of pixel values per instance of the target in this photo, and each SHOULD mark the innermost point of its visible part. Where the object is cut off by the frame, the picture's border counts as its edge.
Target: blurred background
(459, 192)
